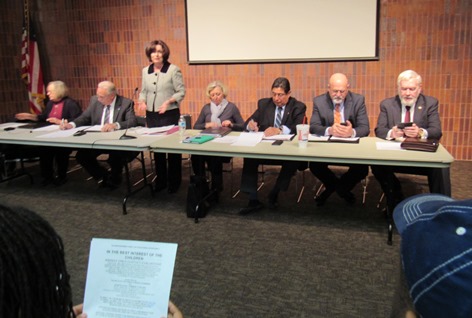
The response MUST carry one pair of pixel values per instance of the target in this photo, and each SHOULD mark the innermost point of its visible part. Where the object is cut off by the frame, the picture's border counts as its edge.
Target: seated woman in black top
(59, 107)
(218, 113)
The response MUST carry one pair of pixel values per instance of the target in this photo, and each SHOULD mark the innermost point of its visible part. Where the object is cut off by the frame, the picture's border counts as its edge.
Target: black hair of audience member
(33, 277)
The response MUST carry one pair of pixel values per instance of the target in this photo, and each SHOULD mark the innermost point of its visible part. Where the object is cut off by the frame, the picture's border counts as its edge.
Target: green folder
(200, 139)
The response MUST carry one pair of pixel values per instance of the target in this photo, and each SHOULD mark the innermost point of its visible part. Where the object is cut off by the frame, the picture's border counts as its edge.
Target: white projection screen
(258, 31)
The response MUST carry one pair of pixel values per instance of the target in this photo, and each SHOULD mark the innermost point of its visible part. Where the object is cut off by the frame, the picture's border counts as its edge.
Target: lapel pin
(420, 107)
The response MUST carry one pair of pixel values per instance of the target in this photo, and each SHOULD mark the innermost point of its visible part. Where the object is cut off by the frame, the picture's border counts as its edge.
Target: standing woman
(59, 107)
(161, 94)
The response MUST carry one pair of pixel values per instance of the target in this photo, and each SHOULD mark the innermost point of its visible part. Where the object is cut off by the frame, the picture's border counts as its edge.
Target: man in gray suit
(112, 112)
(339, 113)
(419, 111)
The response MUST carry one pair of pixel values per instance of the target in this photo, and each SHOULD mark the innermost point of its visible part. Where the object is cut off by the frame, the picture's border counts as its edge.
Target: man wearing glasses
(277, 115)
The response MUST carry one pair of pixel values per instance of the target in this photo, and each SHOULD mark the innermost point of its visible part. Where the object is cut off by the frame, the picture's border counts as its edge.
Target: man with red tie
(409, 114)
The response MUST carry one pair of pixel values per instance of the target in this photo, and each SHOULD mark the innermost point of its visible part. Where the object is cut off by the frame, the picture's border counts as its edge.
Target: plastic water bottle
(182, 127)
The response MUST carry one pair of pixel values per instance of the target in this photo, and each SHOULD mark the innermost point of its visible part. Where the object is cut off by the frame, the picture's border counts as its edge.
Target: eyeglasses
(337, 91)
(279, 95)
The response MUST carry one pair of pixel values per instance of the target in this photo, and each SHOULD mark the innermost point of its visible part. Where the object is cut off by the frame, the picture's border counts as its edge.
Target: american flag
(31, 72)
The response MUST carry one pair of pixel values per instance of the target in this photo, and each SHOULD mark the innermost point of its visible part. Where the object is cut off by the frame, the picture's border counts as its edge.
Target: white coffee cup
(303, 130)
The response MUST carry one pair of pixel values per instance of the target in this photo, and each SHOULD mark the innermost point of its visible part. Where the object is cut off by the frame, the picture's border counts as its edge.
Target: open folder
(316, 138)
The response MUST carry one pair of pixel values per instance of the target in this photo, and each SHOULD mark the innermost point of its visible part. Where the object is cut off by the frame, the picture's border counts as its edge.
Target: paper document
(128, 278)
(388, 145)
(249, 139)
(279, 137)
(96, 128)
(152, 131)
(13, 125)
(48, 128)
(312, 137)
(226, 139)
(63, 133)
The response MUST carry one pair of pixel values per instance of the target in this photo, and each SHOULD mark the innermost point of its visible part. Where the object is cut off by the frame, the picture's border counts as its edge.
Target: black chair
(10, 156)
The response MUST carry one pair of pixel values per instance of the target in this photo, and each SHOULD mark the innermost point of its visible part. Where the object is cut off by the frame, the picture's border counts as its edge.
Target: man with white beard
(414, 115)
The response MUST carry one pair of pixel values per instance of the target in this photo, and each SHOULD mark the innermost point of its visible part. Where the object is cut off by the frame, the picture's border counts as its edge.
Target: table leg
(131, 192)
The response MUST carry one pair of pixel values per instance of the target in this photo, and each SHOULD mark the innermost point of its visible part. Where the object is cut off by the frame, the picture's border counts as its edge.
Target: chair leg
(318, 191)
(364, 189)
(380, 200)
(261, 173)
(302, 187)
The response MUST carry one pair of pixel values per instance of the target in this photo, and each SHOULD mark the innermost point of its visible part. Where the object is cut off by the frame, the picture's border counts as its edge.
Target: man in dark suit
(112, 112)
(277, 115)
(339, 113)
(422, 111)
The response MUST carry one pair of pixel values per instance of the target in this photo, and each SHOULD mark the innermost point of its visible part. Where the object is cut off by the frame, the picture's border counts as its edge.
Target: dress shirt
(412, 115)
(341, 111)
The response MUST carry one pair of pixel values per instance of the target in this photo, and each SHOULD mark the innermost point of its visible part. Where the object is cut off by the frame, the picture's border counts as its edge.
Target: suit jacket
(426, 116)
(123, 113)
(70, 111)
(265, 114)
(156, 88)
(354, 111)
(231, 113)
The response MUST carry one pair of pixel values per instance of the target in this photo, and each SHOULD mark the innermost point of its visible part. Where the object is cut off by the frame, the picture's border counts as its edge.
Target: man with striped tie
(279, 114)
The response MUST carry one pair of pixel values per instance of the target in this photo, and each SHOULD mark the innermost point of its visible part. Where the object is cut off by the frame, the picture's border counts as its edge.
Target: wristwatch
(421, 134)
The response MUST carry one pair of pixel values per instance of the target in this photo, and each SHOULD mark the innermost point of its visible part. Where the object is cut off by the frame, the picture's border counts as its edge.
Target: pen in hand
(63, 125)
(252, 125)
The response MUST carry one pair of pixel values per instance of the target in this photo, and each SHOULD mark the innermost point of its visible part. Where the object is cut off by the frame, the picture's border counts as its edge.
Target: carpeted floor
(297, 261)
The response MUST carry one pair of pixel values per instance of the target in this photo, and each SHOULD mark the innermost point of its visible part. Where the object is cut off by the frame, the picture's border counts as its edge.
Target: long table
(91, 140)
(364, 152)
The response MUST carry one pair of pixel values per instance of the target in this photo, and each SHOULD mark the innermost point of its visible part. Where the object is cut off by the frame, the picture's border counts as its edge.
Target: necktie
(107, 115)
(278, 119)
(337, 114)
(407, 118)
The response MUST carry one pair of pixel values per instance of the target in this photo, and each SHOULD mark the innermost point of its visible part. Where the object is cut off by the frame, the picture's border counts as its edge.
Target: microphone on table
(125, 136)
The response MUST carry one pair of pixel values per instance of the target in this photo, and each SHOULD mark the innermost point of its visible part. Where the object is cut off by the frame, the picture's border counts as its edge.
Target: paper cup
(303, 131)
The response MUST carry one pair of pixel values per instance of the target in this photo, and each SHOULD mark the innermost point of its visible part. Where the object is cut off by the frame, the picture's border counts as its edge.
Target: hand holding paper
(129, 278)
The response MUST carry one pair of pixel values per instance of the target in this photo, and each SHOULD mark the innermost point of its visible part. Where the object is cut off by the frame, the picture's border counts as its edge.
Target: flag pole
(31, 64)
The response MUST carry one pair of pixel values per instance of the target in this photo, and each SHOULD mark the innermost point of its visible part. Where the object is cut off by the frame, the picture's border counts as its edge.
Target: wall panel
(88, 41)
